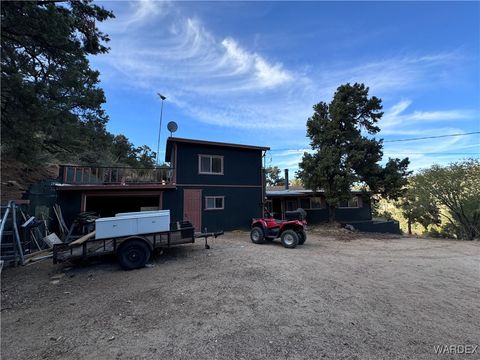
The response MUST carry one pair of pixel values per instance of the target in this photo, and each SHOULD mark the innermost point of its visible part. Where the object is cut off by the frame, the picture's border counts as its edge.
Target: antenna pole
(160, 127)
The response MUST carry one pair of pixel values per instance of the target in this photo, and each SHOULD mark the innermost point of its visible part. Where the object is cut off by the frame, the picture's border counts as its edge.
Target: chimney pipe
(286, 179)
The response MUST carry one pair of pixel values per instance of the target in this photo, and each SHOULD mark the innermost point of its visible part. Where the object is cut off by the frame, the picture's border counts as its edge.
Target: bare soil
(352, 298)
(17, 177)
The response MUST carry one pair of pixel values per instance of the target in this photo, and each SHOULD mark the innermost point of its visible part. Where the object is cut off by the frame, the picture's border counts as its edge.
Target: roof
(172, 140)
(295, 191)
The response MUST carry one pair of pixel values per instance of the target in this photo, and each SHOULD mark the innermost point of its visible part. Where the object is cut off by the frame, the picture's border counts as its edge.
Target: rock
(349, 227)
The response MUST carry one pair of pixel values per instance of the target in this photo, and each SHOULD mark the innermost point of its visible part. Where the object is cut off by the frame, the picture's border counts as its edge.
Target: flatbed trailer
(131, 251)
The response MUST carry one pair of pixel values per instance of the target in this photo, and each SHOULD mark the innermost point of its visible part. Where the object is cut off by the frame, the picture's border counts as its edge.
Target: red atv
(291, 231)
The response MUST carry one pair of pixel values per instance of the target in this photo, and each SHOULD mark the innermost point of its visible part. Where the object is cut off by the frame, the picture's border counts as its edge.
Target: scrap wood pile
(25, 239)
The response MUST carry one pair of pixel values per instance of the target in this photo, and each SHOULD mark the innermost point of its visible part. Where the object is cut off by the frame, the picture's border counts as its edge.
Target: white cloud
(396, 121)
(220, 81)
(143, 10)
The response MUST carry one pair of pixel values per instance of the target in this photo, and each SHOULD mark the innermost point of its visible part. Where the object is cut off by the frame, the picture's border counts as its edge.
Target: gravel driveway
(365, 298)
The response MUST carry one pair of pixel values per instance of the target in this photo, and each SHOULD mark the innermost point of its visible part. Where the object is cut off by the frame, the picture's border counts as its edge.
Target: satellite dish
(172, 127)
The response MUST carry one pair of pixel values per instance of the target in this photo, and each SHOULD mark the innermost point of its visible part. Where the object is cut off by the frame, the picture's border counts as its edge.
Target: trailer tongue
(132, 237)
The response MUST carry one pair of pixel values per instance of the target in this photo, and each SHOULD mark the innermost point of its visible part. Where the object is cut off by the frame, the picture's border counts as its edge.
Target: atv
(291, 231)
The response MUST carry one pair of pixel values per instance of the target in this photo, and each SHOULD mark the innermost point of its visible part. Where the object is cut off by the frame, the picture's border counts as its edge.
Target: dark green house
(215, 186)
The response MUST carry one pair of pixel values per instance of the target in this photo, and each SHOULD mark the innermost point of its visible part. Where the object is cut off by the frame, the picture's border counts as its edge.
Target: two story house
(215, 186)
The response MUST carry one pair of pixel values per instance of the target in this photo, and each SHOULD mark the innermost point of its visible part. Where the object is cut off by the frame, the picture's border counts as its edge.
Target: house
(285, 198)
(215, 186)
(357, 211)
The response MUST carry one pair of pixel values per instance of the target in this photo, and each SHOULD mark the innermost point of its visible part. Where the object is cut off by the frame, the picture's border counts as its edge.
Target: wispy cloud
(396, 121)
(218, 80)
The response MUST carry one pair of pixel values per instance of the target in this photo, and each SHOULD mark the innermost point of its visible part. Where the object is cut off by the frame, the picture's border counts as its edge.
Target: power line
(408, 139)
(433, 137)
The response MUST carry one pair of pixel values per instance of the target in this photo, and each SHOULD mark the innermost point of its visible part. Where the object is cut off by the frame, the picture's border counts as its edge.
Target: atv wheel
(289, 239)
(257, 236)
(302, 236)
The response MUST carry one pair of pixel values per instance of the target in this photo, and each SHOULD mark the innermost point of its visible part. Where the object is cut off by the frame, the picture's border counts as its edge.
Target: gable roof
(172, 140)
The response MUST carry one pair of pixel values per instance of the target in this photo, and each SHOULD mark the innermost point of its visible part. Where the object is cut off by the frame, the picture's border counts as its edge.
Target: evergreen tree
(273, 178)
(345, 151)
(51, 101)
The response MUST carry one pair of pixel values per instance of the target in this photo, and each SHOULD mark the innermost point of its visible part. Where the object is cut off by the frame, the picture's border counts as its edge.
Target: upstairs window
(210, 164)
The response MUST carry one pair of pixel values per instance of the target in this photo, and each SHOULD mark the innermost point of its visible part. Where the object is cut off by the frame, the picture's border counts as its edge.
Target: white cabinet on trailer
(126, 224)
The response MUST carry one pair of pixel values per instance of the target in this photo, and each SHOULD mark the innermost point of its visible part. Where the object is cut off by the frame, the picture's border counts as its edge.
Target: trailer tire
(133, 254)
(302, 237)
(257, 236)
(289, 239)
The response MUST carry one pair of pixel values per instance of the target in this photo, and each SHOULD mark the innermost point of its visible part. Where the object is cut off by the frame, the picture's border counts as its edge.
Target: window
(316, 202)
(210, 164)
(311, 203)
(305, 203)
(214, 202)
(352, 203)
(292, 205)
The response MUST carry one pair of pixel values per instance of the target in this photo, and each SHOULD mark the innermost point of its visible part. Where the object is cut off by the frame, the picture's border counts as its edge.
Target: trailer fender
(135, 237)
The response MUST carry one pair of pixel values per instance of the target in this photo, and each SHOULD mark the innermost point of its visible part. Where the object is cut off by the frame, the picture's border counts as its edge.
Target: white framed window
(214, 202)
(210, 164)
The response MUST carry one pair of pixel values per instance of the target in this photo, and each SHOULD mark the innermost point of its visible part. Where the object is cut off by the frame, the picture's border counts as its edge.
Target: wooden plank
(82, 239)
(37, 253)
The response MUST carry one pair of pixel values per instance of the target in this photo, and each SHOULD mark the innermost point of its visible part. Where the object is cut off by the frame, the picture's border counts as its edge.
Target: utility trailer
(128, 241)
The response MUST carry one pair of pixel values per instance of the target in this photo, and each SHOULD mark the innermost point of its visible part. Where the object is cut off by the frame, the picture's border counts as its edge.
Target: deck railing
(91, 175)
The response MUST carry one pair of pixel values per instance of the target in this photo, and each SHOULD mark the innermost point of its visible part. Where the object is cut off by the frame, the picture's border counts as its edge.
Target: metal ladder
(10, 244)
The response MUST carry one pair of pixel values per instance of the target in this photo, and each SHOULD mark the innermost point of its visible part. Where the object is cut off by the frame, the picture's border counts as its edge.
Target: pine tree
(345, 151)
(51, 101)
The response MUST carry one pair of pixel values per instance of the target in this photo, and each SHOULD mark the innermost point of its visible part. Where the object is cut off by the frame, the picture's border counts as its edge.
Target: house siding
(240, 206)
(241, 166)
(317, 216)
(240, 185)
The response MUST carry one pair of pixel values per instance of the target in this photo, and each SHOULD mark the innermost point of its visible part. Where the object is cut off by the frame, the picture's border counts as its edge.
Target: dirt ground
(365, 298)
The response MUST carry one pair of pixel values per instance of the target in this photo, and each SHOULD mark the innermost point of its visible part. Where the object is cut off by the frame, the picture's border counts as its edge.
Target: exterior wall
(71, 204)
(317, 216)
(240, 206)
(357, 214)
(241, 166)
(240, 184)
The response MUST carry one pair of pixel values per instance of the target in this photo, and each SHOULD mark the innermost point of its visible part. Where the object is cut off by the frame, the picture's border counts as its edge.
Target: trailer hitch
(206, 235)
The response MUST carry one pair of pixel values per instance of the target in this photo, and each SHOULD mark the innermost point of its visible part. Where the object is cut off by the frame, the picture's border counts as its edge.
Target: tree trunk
(331, 214)
(409, 223)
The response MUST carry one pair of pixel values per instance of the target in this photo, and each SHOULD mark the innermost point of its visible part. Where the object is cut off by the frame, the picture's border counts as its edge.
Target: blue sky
(250, 72)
